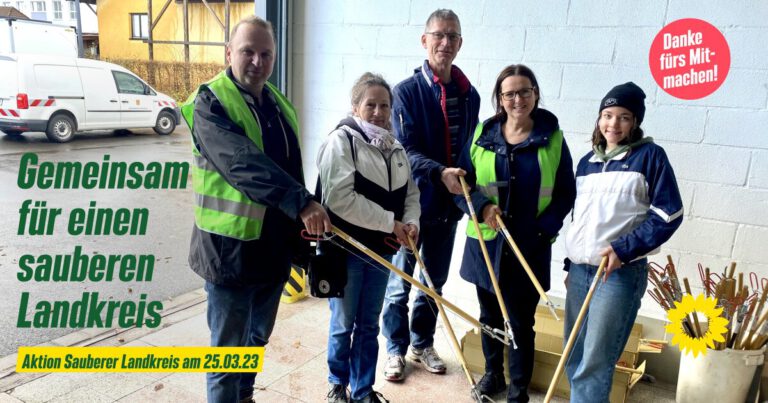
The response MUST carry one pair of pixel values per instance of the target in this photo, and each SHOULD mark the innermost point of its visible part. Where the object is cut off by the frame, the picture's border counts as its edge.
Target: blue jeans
(436, 246)
(239, 316)
(353, 347)
(606, 328)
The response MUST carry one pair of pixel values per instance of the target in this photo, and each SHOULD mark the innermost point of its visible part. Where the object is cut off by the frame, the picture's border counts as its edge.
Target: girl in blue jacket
(627, 206)
(520, 167)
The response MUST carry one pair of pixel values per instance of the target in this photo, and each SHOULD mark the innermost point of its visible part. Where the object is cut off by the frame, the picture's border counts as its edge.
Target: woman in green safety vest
(519, 167)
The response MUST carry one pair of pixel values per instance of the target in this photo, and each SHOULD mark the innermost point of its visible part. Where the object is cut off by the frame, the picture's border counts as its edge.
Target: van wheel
(166, 123)
(61, 129)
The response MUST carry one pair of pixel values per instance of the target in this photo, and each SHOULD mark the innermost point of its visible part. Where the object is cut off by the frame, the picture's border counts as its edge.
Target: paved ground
(294, 368)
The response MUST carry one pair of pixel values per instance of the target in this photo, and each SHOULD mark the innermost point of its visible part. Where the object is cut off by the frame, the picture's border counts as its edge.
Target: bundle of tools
(742, 307)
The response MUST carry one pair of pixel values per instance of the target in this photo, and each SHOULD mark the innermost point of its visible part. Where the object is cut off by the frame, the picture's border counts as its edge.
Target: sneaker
(337, 394)
(373, 397)
(429, 358)
(394, 369)
(491, 383)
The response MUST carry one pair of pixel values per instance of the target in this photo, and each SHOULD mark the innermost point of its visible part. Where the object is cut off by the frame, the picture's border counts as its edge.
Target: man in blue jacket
(434, 113)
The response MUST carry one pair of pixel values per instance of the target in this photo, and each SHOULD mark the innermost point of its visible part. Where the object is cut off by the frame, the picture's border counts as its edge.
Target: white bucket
(722, 376)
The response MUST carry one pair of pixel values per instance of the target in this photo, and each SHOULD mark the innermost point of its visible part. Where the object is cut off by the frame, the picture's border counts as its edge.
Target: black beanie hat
(627, 95)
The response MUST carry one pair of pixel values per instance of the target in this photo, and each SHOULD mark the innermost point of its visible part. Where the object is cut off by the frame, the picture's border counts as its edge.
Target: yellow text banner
(140, 359)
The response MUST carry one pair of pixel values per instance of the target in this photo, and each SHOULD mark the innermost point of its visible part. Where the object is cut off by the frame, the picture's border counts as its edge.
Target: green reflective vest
(219, 207)
(484, 162)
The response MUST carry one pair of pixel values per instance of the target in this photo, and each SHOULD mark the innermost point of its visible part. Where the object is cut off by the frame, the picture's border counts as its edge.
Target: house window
(57, 15)
(38, 11)
(20, 5)
(139, 26)
(72, 11)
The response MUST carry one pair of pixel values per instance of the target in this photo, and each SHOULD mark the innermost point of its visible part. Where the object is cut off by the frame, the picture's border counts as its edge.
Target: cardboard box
(549, 348)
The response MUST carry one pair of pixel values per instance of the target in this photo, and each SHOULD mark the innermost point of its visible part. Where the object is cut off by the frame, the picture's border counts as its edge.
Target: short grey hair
(255, 21)
(443, 14)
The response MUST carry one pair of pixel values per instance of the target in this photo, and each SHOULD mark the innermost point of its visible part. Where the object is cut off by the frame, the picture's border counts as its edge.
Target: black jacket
(272, 177)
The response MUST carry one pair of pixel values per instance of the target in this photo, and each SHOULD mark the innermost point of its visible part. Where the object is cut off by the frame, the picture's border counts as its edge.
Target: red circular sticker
(689, 58)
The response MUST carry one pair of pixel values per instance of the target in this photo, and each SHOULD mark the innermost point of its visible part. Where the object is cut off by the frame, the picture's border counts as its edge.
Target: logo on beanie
(610, 101)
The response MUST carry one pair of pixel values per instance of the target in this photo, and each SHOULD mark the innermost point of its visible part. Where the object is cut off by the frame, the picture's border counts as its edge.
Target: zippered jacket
(517, 187)
(364, 189)
(631, 202)
(418, 117)
(269, 174)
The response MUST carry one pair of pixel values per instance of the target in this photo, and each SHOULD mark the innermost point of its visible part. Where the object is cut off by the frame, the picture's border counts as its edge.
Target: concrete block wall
(579, 49)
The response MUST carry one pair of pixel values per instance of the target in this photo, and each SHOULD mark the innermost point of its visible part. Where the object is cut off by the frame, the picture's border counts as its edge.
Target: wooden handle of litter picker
(755, 320)
(387, 264)
(575, 331)
(522, 260)
(443, 315)
(484, 249)
(693, 314)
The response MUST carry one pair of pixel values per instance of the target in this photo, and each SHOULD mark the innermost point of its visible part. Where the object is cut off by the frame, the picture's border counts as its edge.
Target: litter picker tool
(476, 395)
(527, 268)
(484, 249)
(575, 331)
(497, 334)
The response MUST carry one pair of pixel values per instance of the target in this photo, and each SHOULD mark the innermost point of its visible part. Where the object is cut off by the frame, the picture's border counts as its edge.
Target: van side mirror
(147, 90)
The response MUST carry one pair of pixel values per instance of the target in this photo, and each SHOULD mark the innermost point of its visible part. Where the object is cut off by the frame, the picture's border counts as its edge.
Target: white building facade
(61, 12)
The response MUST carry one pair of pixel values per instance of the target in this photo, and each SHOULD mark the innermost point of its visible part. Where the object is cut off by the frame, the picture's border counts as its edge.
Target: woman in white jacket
(368, 191)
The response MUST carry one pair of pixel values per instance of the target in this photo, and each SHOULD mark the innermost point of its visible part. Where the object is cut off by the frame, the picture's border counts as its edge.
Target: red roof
(12, 12)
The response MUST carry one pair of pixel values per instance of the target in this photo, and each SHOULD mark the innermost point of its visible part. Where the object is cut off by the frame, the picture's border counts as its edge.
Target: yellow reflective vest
(484, 162)
(219, 207)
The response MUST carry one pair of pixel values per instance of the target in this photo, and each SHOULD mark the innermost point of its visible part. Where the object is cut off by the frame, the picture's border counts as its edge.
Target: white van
(61, 95)
(40, 37)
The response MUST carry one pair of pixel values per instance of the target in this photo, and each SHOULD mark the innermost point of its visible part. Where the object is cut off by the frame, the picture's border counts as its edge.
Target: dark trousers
(521, 307)
(239, 317)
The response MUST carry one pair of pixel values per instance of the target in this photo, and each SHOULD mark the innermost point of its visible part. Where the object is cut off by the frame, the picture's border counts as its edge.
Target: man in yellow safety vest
(249, 198)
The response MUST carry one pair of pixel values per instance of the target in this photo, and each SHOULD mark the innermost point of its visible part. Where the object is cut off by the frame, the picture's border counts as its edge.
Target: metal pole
(185, 15)
(80, 47)
(150, 46)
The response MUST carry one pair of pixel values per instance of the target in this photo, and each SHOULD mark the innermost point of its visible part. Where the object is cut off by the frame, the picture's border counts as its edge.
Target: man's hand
(450, 178)
(489, 215)
(613, 261)
(315, 218)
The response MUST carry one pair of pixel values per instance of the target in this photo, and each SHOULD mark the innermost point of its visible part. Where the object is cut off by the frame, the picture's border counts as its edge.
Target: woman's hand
(403, 231)
(613, 261)
(489, 215)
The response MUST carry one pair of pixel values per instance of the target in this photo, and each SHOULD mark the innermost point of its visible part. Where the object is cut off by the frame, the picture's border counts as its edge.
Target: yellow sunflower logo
(689, 305)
